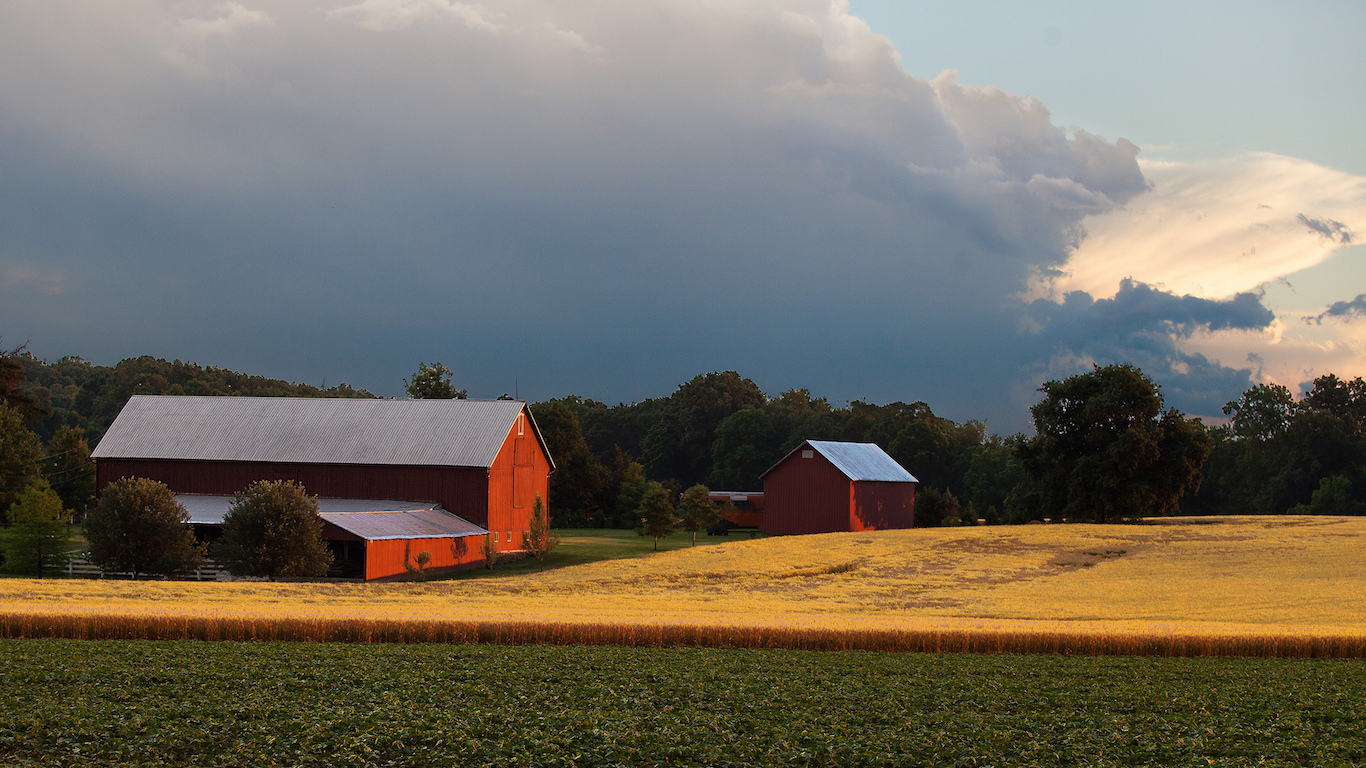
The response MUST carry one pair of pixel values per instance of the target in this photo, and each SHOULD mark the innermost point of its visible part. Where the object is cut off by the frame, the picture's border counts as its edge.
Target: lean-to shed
(825, 487)
(481, 462)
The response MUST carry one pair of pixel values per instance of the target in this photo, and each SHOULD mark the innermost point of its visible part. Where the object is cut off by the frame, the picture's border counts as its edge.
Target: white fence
(209, 571)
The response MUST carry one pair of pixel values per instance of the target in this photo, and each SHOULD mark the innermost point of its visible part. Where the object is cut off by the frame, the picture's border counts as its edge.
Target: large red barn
(826, 487)
(474, 467)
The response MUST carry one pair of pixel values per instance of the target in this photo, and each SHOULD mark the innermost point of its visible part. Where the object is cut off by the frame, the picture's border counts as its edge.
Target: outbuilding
(825, 487)
(393, 477)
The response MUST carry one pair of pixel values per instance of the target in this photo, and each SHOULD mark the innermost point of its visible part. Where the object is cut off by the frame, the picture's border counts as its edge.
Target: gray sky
(607, 198)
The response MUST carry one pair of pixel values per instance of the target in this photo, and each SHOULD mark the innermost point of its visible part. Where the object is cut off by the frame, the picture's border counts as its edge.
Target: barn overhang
(364, 519)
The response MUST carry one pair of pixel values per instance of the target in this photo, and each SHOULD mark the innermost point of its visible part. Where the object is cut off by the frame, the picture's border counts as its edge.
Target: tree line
(1104, 448)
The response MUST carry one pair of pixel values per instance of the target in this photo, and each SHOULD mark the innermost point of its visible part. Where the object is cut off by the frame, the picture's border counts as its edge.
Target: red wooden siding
(519, 474)
(806, 496)
(385, 559)
(463, 491)
(882, 506)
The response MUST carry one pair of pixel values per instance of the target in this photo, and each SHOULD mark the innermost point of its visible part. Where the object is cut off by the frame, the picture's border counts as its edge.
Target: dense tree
(38, 539)
(138, 527)
(21, 454)
(71, 471)
(696, 511)
(934, 508)
(433, 382)
(745, 446)
(629, 477)
(1333, 497)
(678, 445)
(580, 483)
(993, 472)
(272, 529)
(13, 386)
(657, 516)
(1104, 450)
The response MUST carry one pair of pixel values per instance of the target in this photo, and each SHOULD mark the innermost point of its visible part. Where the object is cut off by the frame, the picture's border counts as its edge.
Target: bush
(273, 530)
(138, 527)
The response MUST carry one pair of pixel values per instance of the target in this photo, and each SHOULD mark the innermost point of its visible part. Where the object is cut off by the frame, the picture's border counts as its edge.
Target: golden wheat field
(1230, 578)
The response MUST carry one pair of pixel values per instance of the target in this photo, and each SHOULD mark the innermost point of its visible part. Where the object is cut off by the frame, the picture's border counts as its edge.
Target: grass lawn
(252, 704)
(588, 545)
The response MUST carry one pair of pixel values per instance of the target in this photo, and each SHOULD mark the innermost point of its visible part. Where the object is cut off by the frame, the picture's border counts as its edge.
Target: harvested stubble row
(353, 630)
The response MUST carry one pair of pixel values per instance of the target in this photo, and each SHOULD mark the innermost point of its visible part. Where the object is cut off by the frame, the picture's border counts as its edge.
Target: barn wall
(519, 474)
(806, 496)
(385, 559)
(882, 506)
(463, 491)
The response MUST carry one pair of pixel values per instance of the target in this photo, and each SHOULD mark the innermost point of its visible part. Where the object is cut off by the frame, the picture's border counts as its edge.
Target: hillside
(1227, 572)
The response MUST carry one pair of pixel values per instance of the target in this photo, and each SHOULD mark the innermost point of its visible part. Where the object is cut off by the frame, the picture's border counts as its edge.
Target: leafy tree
(1262, 413)
(272, 529)
(656, 512)
(746, 445)
(1333, 497)
(579, 484)
(489, 551)
(632, 486)
(13, 378)
(433, 382)
(1105, 450)
(993, 472)
(696, 511)
(934, 508)
(138, 527)
(72, 473)
(992, 517)
(39, 538)
(538, 540)
(20, 455)
(679, 444)
(967, 515)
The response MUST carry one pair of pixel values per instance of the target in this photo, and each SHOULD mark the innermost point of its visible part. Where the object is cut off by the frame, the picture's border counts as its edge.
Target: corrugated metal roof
(863, 462)
(208, 509)
(860, 462)
(422, 524)
(371, 519)
(457, 433)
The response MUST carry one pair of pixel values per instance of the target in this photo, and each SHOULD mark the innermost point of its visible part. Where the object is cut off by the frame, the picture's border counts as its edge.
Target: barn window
(521, 426)
(808, 454)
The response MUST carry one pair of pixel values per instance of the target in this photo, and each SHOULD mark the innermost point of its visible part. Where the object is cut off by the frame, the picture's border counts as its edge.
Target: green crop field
(249, 704)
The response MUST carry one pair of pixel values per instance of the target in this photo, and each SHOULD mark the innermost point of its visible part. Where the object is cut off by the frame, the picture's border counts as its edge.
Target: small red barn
(475, 466)
(826, 487)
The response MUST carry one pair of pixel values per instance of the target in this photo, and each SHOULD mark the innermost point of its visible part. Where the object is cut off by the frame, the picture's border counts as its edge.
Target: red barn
(473, 467)
(825, 487)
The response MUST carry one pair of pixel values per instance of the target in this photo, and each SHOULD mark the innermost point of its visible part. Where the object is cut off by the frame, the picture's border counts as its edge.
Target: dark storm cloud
(1334, 231)
(598, 198)
(1142, 325)
(1347, 310)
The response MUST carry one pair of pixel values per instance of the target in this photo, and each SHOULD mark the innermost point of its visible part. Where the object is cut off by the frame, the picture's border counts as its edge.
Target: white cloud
(1219, 227)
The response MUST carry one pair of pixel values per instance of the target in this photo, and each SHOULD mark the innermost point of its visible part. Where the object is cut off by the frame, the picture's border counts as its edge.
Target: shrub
(138, 527)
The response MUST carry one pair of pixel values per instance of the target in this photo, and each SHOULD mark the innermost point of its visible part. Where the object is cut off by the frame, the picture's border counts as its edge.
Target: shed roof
(456, 433)
(370, 519)
(860, 462)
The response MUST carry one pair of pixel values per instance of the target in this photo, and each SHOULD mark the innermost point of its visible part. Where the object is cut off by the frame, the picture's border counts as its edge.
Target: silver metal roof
(860, 462)
(434, 523)
(208, 509)
(370, 519)
(456, 433)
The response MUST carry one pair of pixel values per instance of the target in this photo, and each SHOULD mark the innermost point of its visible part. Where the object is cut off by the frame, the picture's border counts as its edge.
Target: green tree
(579, 481)
(433, 382)
(1104, 450)
(746, 445)
(38, 539)
(656, 512)
(1333, 497)
(679, 443)
(538, 540)
(69, 468)
(272, 529)
(20, 455)
(138, 527)
(629, 477)
(695, 510)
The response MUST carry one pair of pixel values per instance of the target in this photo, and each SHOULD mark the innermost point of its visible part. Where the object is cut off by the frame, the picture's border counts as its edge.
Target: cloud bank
(602, 198)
